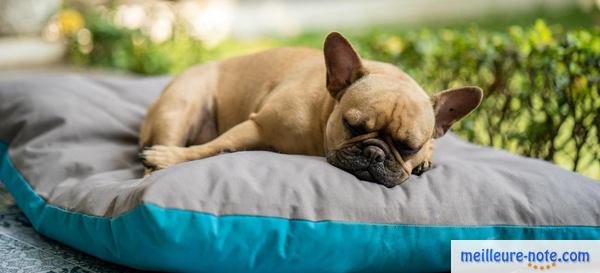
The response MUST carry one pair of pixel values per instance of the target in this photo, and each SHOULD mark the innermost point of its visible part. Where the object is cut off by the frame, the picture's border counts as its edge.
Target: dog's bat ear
(343, 64)
(451, 105)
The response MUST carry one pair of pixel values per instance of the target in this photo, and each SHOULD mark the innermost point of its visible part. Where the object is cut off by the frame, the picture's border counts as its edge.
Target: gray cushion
(73, 138)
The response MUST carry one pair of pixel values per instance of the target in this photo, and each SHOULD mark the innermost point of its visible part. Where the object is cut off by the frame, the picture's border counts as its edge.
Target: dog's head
(383, 125)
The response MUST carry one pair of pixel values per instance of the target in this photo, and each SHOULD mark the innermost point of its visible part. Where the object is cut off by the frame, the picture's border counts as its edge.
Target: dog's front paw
(161, 157)
(419, 170)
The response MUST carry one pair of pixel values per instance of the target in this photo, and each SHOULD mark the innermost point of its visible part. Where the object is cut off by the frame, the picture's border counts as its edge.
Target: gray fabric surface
(74, 139)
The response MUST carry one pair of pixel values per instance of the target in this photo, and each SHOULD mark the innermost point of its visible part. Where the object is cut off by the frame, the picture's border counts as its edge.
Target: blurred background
(537, 60)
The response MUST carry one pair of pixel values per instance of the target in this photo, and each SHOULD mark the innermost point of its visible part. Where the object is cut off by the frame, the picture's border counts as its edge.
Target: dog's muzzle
(371, 158)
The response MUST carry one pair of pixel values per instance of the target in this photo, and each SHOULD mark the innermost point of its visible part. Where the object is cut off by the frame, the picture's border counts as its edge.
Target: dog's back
(225, 93)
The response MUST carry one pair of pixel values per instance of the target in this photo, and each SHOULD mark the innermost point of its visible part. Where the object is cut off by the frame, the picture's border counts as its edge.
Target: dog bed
(68, 156)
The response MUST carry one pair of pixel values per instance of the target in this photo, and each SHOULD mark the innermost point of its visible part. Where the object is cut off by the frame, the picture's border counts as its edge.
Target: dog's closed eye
(355, 130)
(406, 150)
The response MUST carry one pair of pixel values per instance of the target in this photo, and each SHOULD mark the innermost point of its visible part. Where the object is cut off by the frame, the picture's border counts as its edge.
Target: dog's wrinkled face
(381, 130)
(383, 125)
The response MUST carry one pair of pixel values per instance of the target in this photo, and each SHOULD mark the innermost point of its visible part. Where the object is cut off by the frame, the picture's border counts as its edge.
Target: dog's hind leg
(183, 114)
(244, 136)
(169, 127)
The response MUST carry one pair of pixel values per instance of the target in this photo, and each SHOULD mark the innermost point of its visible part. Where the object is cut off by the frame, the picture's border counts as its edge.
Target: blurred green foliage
(541, 83)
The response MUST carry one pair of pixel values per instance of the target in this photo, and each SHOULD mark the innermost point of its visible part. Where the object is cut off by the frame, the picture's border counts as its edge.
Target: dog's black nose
(374, 153)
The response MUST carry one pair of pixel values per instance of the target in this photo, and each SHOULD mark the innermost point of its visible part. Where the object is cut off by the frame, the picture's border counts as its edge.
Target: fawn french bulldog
(366, 117)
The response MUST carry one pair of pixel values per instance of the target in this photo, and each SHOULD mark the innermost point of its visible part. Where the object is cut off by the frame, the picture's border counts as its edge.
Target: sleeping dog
(366, 117)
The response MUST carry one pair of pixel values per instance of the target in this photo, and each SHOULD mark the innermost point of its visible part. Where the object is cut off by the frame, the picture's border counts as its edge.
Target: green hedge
(541, 83)
(541, 86)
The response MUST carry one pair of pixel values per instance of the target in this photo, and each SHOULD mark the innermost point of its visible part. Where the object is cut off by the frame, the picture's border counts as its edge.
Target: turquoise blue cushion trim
(156, 238)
